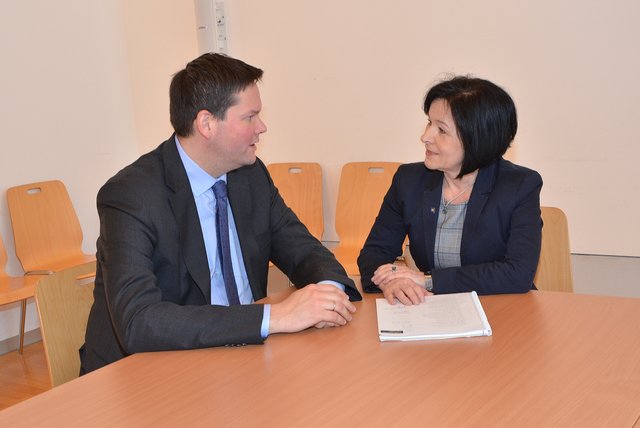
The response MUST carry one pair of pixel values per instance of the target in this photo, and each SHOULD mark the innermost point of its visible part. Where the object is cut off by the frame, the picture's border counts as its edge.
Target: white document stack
(441, 316)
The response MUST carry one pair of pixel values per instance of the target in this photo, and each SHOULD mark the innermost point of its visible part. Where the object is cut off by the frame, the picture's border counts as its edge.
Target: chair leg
(23, 315)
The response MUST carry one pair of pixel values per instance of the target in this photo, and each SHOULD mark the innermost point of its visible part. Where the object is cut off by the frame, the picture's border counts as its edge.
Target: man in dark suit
(171, 273)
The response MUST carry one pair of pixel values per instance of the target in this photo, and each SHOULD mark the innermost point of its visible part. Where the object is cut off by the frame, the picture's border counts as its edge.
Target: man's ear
(205, 124)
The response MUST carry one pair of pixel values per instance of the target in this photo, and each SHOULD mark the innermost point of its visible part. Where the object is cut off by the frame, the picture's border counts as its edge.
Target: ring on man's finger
(334, 306)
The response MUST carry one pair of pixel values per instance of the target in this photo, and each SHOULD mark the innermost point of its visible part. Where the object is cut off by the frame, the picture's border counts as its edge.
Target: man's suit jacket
(152, 289)
(501, 234)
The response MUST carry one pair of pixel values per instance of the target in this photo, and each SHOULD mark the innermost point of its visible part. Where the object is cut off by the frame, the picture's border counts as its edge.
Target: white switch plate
(211, 26)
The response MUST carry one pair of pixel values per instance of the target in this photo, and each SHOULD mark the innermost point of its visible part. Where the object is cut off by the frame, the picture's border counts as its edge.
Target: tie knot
(220, 190)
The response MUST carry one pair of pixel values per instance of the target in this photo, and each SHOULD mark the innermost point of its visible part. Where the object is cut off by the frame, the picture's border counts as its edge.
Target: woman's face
(444, 150)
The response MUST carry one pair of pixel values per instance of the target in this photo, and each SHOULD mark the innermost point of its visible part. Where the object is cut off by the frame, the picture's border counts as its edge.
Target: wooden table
(555, 359)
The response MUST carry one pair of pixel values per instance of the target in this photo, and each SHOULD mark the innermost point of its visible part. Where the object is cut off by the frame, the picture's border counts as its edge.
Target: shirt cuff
(334, 283)
(266, 317)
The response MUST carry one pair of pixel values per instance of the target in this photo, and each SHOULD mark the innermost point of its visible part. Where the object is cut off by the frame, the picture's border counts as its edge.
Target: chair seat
(58, 265)
(14, 289)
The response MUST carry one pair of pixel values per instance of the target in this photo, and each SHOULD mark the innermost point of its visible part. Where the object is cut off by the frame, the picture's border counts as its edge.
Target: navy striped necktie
(224, 247)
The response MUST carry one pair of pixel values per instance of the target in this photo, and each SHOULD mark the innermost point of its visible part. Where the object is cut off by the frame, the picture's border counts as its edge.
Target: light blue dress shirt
(201, 186)
(201, 183)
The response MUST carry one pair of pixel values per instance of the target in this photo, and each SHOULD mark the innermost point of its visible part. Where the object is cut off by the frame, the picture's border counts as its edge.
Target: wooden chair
(300, 184)
(15, 289)
(64, 300)
(46, 229)
(554, 268)
(362, 189)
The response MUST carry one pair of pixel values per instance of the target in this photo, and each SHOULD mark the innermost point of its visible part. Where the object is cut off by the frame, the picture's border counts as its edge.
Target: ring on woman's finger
(334, 306)
(394, 268)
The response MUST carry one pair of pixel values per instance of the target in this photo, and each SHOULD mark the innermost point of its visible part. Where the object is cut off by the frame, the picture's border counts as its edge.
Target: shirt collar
(199, 179)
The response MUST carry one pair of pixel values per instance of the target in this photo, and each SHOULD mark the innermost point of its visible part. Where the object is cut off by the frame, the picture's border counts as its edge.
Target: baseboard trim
(12, 343)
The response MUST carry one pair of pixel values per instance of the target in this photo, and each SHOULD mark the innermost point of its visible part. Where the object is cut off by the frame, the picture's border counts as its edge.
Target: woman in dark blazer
(472, 217)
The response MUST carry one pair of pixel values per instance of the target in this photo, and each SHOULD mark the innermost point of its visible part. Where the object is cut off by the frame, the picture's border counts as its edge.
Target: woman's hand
(401, 283)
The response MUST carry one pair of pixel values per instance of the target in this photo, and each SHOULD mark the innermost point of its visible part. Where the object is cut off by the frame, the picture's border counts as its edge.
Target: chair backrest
(554, 268)
(46, 229)
(3, 260)
(362, 189)
(64, 300)
(14, 288)
(300, 184)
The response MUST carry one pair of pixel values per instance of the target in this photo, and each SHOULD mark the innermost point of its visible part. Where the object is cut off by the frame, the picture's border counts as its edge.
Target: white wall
(65, 109)
(161, 39)
(83, 92)
(344, 81)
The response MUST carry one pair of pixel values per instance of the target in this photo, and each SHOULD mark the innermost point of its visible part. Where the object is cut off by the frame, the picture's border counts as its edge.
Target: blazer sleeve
(384, 243)
(296, 252)
(153, 302)
(500, 255)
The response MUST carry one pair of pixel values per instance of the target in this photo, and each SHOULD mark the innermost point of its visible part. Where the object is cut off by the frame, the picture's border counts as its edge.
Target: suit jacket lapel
(431, 203)
(186, 215)
(243, 210)
(479, 196)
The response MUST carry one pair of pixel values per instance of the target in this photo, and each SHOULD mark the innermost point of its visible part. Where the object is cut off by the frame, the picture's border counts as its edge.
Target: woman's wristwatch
(428, 283)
